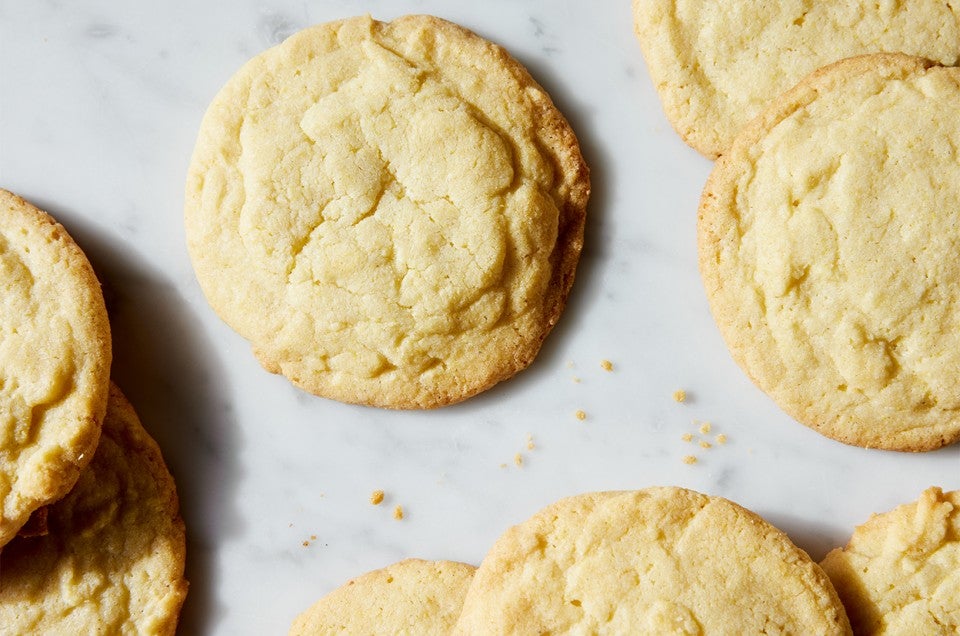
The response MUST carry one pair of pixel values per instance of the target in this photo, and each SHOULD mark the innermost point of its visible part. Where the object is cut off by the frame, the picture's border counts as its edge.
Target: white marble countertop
(99, 107)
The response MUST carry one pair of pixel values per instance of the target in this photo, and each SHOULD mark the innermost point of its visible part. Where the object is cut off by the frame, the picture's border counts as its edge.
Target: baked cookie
(828, 248)
(717, 64)
(900, 572)
(112, 560)
(409, 597)
(655, 561)
(54, 361)
(390, 212)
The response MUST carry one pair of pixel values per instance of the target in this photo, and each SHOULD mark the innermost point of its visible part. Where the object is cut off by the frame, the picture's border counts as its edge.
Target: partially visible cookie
(655, 561)
(828, 241)
(409, 597)
(55, 354)
(900, 571)
(391, 213)
(717, 64)
(112, 559)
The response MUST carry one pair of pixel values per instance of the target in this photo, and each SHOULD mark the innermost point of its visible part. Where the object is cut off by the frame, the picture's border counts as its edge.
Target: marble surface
(99, 107)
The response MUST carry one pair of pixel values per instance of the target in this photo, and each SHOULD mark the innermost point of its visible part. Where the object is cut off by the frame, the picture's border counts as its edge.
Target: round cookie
(391, 213)
(112, 559)
(717, 64)
(661, 560)
(828, 248)
(55, 354)
(900, 572)
(409, 597)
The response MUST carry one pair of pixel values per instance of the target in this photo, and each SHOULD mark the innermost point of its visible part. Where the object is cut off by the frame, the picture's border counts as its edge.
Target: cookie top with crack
(828, 248)
(654, 561)
(112, 560)
(716, 65)
(55, 354)
(410, 597)
(390, 212)
(900, 571)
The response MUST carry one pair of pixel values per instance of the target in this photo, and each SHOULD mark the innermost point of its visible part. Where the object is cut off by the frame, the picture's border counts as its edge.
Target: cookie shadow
(168, 370)
(816, 538)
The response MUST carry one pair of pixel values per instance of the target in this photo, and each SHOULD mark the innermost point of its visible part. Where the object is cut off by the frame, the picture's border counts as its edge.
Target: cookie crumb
(687, 437)
(306, 544)
(679, 395)
(689, 459)
(721, 439)
(376, 497)
(705, 428)
(503, 465)
(606, 365)
(313, 537)
(580, 415)
(518, 459)
(705, 444)
(530, 444)
(398, 513)
(576, 380)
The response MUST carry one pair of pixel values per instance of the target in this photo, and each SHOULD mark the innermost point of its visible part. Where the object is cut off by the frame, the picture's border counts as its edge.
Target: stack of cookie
(828, 230)
(668, 560)
(90, 531)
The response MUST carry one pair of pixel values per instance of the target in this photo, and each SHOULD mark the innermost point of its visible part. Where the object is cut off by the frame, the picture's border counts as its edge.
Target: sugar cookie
(900, 572)
(409, 597)
(655, 561)
(112, 559)
(54, 361)
(828, 247)
(390, 212)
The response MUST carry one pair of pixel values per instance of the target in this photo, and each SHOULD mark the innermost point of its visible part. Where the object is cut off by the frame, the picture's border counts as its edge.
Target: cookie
(391, 213)
(827, 244)
(409, 597)
(900, 572)
(717, 64)
(55, 356)
(112, 559)
(655, 561)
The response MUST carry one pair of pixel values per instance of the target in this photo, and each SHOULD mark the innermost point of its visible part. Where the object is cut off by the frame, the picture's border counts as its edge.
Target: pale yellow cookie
(717, 64)
(409, 597)
(828, 248)
(900, 572)
(54, 361)
(112, 559)
(390, 212)
(655, 561)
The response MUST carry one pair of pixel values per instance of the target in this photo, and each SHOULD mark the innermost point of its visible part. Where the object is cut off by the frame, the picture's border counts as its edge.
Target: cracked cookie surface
(390, 212)
(900, 571)
(655, 561)
(828, 248)
(716, 65)
(412, 596)
(112, 559)
(55, 354)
